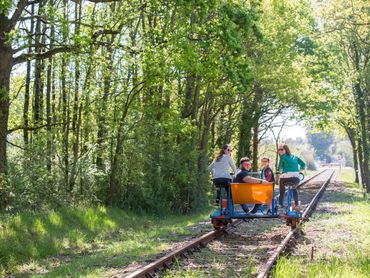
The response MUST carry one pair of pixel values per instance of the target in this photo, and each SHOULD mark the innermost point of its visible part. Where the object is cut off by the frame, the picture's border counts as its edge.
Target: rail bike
(254, 194)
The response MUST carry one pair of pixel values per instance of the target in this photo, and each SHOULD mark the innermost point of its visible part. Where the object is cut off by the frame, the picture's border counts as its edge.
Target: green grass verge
(355, 265)
(341, 235)
(84, 241)
(347, 175)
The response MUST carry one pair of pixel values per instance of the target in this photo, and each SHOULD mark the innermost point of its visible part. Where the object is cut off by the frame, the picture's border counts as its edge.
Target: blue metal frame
(290, 212)
(229, 212)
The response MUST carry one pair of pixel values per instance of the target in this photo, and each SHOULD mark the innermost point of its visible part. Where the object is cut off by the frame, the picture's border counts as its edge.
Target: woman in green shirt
(289, 168)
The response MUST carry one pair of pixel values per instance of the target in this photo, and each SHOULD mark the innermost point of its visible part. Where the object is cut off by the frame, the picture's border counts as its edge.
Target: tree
(346, 55)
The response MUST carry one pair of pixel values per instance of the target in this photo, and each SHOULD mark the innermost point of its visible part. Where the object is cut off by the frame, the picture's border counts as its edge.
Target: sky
(292, 129)
(294, 132)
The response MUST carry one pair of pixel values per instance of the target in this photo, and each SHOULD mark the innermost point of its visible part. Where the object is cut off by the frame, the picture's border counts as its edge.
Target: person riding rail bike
(289, 167)
(220, 169)
(243, 176)
(266, 172)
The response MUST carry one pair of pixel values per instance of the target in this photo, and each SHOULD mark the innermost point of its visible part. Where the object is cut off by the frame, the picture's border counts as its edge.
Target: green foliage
(4, 191)
(5, 5)
(321, 143)
(132, 117)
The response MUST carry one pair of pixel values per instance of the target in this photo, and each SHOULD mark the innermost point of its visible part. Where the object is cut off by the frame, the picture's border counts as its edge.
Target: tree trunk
(65, 107)
(245, 130)
(189, 91)
(230, 124)
(257, 101)
(6, 61)
(361, 162)
(355, 164)
(65, 113)
(118, 153)
(251, 111)
(351, 136)
(5, 69)
(39, 66)
(28, 82)
(50, 105)
(255, 147)
(75, 126)
(48, 115)
(365, 142)
(360, 101)
(362, 114)
(203, 143)
(102, 125)
(76, 117)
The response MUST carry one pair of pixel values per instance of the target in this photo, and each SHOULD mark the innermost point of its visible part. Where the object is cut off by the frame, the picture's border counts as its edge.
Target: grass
(352, 266)
(347, 175)
(85, 242)
(340, 233)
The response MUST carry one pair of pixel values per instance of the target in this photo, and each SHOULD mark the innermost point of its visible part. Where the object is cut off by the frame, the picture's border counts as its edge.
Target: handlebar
(301, 175)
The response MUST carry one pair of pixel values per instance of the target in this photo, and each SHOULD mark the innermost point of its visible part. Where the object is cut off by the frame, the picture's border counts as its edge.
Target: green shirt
(290, 163)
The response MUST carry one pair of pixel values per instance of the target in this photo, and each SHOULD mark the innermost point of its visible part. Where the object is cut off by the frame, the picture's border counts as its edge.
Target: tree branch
(96, 1)
(23, 47)
(44, 55)
(14, 145)
(17, 13)
(32, 127)
(33, 2)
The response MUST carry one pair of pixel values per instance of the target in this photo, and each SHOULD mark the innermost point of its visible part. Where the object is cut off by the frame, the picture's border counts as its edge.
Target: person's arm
(232, 165)
(211, 166)
(281, 163)
(301, 163)
(248, 179)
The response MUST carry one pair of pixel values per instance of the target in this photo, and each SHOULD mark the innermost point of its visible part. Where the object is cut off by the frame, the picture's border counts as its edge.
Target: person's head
(245, 163)
(284, 149)
(226, 149)
(265, 162)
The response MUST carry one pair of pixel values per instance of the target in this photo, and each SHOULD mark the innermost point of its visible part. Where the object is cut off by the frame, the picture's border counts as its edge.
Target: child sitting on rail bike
(266, 172)
(220, 169)
(243, 176)
(289, 168)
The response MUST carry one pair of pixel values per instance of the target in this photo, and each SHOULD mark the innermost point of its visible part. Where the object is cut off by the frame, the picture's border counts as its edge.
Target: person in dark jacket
(243, 176)
(266, 172)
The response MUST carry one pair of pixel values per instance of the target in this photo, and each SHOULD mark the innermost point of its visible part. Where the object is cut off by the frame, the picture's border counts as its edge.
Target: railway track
(264, 271)
(236, 240)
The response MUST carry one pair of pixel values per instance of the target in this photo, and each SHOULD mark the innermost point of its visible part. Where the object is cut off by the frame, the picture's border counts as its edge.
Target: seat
(252, 193)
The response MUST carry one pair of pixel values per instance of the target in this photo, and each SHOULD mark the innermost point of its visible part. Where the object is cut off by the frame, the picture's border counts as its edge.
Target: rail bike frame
(244, 193)
(292, 213)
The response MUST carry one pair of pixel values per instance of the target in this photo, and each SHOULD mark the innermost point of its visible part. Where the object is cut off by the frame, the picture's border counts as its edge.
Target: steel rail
(166, 261)
(307, 212)
(311, 178)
